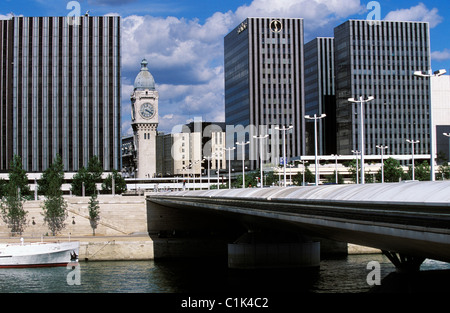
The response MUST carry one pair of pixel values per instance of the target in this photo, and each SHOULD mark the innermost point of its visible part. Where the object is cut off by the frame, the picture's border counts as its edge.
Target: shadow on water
(213, 276)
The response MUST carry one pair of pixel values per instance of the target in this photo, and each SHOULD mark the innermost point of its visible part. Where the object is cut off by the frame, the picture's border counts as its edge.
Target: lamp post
(382, 148)
(361, 101)
(229, 164)
(284, 129)
(335, 167)
(315, 118)
(209, 158)
(432, 130)
(261, 156)
(218, 154)
(356, 152)
(412, 142)
(243, 143)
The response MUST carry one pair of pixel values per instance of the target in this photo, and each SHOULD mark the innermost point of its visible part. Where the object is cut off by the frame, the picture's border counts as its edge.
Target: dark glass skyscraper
(320, 94)
(60, 91)
(264, 81)
(378, 58)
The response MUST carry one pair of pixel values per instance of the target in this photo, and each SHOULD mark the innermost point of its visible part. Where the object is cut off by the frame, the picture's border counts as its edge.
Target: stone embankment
(120, 235)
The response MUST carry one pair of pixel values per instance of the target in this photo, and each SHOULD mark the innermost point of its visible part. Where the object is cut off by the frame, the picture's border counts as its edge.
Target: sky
(182, 40)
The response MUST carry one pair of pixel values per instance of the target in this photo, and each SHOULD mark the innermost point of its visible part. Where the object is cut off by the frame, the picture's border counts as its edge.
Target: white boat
(38, 254)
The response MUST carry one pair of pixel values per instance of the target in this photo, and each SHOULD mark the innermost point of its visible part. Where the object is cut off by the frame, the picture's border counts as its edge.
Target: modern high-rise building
(264, 86)
(60, 91)
(320, 97)
(377, 59)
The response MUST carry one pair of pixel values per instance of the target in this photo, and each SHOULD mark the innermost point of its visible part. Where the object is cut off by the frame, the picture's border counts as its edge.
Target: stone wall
(119, 215)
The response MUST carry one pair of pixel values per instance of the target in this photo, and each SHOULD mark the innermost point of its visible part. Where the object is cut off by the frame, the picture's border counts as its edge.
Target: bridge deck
(411, 217)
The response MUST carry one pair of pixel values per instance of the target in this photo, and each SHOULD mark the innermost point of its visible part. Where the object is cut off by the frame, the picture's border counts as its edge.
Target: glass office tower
(378, 58)
(264, 84)
(60, 91)
(320, 94)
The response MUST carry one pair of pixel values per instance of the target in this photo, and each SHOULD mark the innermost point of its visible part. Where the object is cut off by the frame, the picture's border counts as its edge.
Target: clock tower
(144, 120)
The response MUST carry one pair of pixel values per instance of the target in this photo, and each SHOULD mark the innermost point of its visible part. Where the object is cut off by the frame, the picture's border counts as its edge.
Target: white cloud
(418, 13)
(441, 55)
(186, 57)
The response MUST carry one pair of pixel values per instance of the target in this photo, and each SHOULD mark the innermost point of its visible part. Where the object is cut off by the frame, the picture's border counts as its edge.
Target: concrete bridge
(408, 221)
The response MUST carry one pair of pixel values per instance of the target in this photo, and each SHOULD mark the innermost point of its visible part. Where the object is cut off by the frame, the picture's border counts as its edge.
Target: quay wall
(122, 232)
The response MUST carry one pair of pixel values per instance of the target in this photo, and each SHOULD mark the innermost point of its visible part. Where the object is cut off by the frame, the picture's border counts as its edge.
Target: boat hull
(38, 254)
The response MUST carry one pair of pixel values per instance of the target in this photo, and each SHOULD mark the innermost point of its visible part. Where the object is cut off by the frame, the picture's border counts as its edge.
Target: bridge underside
(412, 228)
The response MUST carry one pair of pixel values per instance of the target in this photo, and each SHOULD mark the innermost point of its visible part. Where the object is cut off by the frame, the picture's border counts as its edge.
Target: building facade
(264, 85)
(377, 59)
(440, 98)
(320, 97)
(191, 150)
(60, 91)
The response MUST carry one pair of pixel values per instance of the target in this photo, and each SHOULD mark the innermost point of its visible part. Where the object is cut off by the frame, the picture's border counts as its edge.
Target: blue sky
(183, 40)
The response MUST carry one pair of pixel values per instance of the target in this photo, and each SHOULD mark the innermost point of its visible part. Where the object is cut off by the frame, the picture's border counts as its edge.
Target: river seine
(343, 275)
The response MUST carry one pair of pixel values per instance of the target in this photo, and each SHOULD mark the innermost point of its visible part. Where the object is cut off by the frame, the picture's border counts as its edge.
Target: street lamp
(284, 129)
(382, 148)
(229, 165)
(335, 167)
(243, 143)
(412, 142)
(356, 152)
(432, 130)
(209, 158)
(361, 101)
(315, 118)
(261, 156)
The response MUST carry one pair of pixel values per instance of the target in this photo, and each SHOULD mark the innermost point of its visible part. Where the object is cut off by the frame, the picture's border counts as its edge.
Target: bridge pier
(257, 250)
(404, 263)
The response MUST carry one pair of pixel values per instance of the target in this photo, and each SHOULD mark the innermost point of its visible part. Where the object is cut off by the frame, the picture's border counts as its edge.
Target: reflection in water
(343, 275)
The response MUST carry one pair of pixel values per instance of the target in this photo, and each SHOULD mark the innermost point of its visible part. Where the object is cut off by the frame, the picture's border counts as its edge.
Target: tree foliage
(309, 176)
(393, 171)
(55, 207)
(120, 185)
(52, 178)
(94, 212)
(90, 176)
(12, 211)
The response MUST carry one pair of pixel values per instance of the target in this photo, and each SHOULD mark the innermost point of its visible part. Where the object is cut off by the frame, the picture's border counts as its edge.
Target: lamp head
(440, 72)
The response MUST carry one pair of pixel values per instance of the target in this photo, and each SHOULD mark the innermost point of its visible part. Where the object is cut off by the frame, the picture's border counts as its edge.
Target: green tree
(16, 190)
(421, 171)
(55, 207)
(393, 171)
(13, 213)
(352, 169)
(18, 177)
(444, 172)
(331, 179)
(270, 178)
(53, 175)
(94, 212)
(309, 177)
(95, 169)
(89, 177)
(120, 186)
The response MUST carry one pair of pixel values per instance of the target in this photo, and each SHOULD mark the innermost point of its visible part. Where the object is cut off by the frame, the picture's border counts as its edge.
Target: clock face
(147, 110)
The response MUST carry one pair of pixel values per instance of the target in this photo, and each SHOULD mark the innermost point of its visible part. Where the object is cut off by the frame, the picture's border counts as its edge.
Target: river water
(342, 275)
